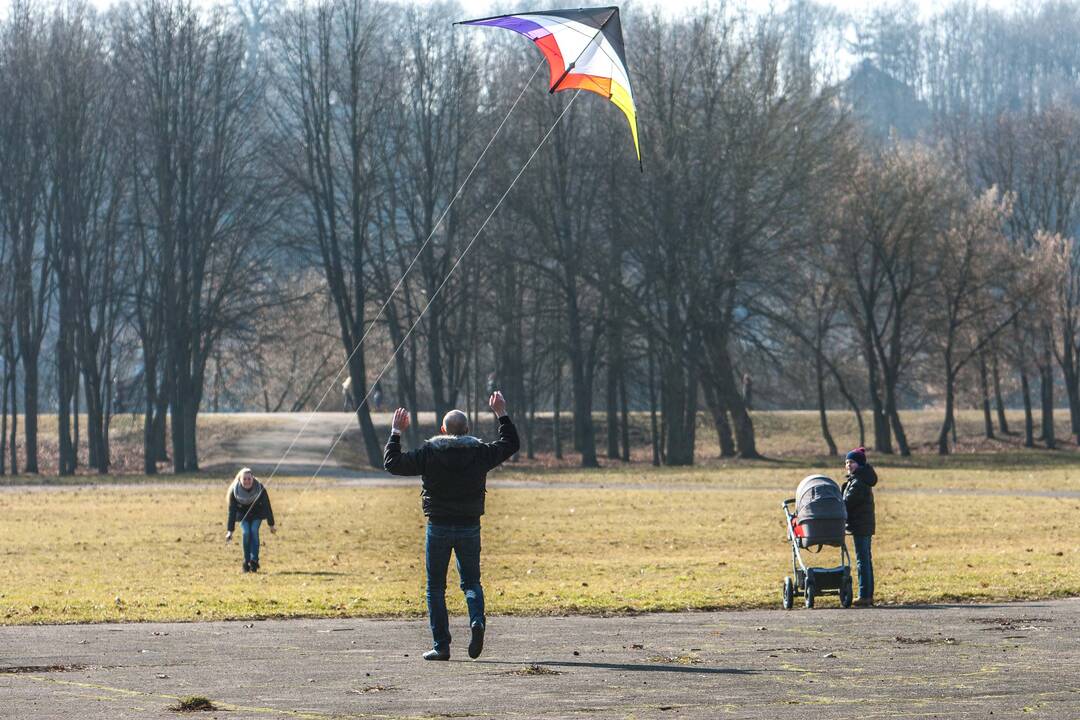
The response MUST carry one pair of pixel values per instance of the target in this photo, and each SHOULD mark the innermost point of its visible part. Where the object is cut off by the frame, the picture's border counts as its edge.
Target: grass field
(647, 540)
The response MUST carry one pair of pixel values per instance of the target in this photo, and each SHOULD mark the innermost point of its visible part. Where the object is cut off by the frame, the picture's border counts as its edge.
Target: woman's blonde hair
(236, 481)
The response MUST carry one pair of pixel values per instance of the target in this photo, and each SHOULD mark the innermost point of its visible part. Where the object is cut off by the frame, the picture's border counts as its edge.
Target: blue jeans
(251, 538)
(464, 542)
(864, 565)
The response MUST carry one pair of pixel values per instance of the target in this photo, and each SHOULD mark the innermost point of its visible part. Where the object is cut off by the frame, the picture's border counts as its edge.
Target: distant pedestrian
(861, 523)
(376, 396)
(346, 394)
(249, 502)
(454, 468)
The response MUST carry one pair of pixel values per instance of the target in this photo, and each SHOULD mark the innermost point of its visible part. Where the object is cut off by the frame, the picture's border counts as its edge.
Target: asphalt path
(949, 661)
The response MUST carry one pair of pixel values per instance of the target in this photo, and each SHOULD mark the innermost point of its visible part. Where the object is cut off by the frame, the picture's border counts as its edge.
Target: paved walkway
(310, 435)
(943, 661)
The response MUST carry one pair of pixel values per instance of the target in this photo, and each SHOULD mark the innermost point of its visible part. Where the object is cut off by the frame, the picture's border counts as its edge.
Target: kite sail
(584, 51)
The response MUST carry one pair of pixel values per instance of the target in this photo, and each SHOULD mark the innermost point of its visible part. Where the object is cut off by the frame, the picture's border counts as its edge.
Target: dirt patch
(23, 669)
(194, 703)
(684, 659)
(370, 689)
(530, 670)
(1009, 624)
(924, 641)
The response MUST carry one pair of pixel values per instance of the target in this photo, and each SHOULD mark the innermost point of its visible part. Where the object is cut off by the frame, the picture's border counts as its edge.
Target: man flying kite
(584, 51)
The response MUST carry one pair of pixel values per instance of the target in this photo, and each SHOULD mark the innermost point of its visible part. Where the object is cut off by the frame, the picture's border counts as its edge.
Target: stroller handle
(787, 502)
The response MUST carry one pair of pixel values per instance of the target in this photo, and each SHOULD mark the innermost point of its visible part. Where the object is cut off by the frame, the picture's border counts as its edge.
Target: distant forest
(207, 210)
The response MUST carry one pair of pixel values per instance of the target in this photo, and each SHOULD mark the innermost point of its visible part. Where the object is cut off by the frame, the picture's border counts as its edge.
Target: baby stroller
(819, 520)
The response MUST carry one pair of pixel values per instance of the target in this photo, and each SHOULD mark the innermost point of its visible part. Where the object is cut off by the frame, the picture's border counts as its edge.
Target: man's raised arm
(395, 461)
(508, 443)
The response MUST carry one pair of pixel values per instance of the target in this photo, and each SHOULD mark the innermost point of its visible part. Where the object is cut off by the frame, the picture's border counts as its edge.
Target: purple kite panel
(528, 28)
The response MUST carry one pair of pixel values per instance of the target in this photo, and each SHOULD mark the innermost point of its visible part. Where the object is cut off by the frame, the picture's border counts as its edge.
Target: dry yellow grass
(156, 551)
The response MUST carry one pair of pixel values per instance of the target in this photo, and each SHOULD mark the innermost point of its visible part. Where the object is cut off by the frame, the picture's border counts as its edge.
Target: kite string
(386, 303)
(408, 269)
(443, 284)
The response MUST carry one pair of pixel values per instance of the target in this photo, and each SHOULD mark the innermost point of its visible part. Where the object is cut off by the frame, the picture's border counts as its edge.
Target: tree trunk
(14, 401)
(1029, 423)
(4, 417)
(999, 403)
(178, 399)
(530, 429)
(654, 433)
(882, 433)
(363, 412)
(984, 388)
(97, 426)
(65, 394)
(823, 418)
(1071, 373)
(729, 392)
(894, 418)
(77, 413)
(947, 424)
(678, 388)
(150, 436)
(161, 429)
(855, 409)
(720, 420)
(556, 424)
(30, 415)
(624, 411)
(612, 407)
(191, 416)
(1046, 383)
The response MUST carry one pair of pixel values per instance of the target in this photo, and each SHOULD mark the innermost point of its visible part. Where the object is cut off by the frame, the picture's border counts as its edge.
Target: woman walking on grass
(250, 503)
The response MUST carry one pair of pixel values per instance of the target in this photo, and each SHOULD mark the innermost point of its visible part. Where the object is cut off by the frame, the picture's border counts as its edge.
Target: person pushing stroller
(861, 522)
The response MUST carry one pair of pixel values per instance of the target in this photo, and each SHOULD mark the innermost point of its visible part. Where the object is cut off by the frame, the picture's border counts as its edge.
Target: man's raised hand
(401, 421)
(497, 403)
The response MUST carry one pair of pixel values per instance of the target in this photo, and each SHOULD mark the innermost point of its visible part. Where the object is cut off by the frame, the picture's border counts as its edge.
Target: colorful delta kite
(584, 51)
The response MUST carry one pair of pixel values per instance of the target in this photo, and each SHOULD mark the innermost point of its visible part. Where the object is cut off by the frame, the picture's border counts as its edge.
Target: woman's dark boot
(247, 566)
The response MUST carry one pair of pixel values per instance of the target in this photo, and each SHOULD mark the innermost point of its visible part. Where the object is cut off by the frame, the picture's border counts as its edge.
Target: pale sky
(926, 7)
(476, 8)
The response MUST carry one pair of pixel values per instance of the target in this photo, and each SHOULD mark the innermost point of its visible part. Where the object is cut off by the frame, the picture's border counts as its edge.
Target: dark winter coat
(260, 511)
(859, 500)
(454, 471)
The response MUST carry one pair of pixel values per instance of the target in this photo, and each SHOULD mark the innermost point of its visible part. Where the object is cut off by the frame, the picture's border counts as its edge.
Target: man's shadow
(632, 667)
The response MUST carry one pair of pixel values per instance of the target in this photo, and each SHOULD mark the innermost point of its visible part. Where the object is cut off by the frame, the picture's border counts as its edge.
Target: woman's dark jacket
(454, 471)
(260, 511)
(859, 499)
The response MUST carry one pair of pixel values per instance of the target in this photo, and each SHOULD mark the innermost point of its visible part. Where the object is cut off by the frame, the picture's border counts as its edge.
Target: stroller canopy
(819, 507)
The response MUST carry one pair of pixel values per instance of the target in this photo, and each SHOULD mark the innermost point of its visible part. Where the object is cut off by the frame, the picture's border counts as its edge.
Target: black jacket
(454, 471)
(260, 511)
(859, 500)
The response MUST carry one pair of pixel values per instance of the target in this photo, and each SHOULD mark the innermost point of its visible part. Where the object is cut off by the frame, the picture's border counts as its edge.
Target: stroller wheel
(846, 592)
(809, 594)
(789, 593)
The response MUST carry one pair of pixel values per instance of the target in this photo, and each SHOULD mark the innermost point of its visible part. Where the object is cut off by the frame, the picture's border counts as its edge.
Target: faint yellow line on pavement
(306, 715)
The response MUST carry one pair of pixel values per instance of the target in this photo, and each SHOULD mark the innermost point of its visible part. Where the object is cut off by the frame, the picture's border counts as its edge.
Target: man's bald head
(455, 422)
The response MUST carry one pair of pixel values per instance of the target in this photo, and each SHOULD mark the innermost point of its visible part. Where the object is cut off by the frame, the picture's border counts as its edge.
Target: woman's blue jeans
(251, 538)
(864, 565)
(464, 542)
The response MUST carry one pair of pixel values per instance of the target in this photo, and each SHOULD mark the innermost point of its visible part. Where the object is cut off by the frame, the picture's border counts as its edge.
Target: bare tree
(897, 203)
(23, 155)
(972, 267)
(329, 111)
(200, 188)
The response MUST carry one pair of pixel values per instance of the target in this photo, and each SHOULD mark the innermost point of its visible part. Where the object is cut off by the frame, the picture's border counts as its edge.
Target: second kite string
(393, 292)
(434, 295)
